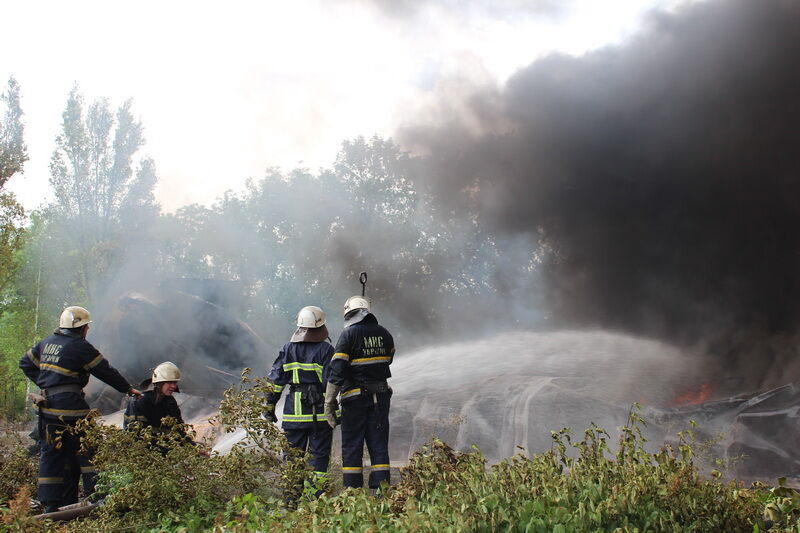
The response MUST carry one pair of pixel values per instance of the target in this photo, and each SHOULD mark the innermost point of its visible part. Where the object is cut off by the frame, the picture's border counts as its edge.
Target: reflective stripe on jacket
(304, 365)
(66, 358)
(363, 354)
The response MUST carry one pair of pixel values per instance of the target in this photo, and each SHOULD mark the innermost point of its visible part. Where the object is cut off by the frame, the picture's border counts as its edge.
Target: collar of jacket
(68, 332)
(310, 334)
(359, 315)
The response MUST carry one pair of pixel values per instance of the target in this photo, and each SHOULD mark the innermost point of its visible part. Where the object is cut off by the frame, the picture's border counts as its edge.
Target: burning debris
(694, 397)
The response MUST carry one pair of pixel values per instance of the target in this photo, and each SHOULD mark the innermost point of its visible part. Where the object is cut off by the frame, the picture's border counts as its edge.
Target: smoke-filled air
(656, 180)
(584, 231)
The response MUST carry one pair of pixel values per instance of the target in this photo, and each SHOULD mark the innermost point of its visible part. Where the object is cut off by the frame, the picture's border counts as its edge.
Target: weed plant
(588, 485)
(18, 468)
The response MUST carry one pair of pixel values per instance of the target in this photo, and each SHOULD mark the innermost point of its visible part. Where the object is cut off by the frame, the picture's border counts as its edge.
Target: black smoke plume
(663, 176)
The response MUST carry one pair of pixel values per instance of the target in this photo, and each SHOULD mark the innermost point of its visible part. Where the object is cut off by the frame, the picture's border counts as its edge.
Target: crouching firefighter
(158, 403)
(60, 365)
(303, 365)
(359, 369)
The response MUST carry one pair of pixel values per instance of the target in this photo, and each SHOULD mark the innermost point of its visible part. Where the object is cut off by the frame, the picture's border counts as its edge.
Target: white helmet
(356, 302)
(166, 372)
(310, 317)
(74, 317)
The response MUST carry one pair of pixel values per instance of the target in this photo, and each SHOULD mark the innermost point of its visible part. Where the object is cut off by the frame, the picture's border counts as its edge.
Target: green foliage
(163, 481)
(577, 486)
(13, 151)
(13, 155)
(103, 206)
(265, 449)
(18, 468)
(304, 236)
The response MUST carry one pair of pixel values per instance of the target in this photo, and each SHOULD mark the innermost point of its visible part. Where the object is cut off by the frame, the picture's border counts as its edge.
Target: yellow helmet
(74, 317)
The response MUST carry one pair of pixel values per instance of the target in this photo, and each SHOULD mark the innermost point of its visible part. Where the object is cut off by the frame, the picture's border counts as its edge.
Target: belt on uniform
(58, 389)
(369, 386)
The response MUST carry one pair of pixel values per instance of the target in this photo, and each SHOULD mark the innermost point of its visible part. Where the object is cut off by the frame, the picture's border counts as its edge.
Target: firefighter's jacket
(303, 367)
(66, 358)
(360, 363)
(149, 412)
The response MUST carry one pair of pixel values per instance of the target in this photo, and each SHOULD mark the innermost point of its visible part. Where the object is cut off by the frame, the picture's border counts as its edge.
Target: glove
(331, 405)
(270, 413)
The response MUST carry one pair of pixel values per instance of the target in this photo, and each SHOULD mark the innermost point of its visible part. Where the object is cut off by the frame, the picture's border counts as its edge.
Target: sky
(225, 91)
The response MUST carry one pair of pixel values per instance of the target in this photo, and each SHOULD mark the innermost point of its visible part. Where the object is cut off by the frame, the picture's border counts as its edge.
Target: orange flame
(694, 397)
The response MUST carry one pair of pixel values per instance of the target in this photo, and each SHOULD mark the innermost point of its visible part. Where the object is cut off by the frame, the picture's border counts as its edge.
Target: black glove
(270, 414)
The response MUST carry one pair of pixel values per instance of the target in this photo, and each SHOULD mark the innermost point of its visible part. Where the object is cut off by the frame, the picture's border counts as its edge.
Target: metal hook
(363, 279)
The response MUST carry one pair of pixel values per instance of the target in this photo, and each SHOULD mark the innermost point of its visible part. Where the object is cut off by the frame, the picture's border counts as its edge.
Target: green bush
(586, 485)
(581, 486)
(18, 468)
(159, 479)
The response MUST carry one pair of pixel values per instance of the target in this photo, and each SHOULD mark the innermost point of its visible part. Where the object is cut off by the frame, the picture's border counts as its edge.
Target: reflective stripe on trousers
(61, 465)
(366, 421)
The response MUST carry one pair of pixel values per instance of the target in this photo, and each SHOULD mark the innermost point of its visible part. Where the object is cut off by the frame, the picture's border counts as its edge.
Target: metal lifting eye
(363, 279)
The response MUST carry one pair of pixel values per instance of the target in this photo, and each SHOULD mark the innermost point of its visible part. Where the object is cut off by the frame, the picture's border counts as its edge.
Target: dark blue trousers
(316, 443)
(61, 465)
(365, 419)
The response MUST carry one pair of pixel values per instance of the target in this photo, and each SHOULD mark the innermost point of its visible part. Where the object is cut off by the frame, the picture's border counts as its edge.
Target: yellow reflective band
(370, 360)
(135, 418)
(32, 357)
(311, 367)
(295, 376)
(351, 392)
(340, 355)
(302, 418)
(64, 412)
(94, 362)
(308, 367)
(380, 467)
(319, 475)
(298, 406)
(88, 470)
(51, 480)
(57, 369)
(352, 469)
(277, 388)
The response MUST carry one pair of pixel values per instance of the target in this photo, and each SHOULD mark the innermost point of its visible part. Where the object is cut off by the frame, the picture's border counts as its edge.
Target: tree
(13, 151)
(13, 155)
(99, 198)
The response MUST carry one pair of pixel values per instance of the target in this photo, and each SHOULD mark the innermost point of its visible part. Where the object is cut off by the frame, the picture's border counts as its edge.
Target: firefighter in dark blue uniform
(303, 365)
(150, 409)
(158, 403)
(359, 370)
(60, 365)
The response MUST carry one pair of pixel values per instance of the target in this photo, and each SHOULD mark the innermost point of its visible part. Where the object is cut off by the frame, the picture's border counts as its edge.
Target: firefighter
(60, 365)
(158, 403)
(303, 365)
(359, 370)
